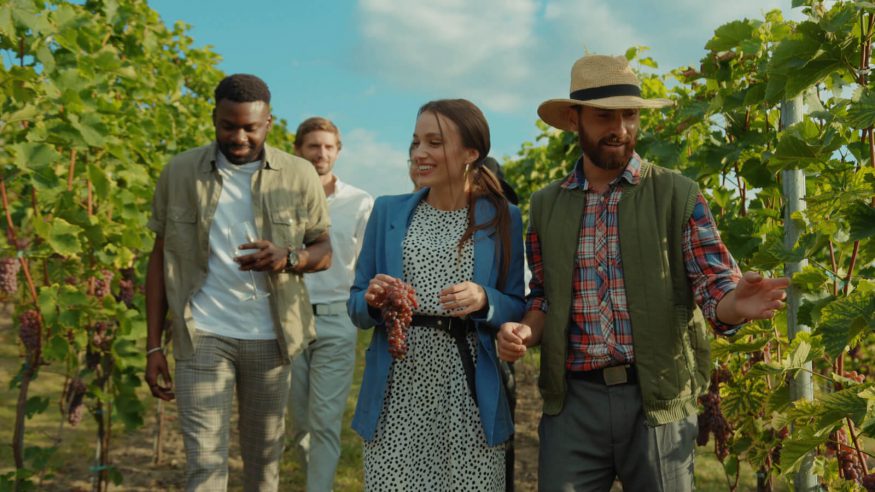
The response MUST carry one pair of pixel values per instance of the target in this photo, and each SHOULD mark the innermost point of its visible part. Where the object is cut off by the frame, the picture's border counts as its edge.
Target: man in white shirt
(322, 374)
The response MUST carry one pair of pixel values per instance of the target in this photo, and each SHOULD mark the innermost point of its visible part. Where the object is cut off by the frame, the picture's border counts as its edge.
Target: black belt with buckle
(458, 328)
(608, 376)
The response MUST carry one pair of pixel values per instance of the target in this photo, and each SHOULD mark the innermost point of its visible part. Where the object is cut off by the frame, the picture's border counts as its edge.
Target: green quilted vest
(669, 336)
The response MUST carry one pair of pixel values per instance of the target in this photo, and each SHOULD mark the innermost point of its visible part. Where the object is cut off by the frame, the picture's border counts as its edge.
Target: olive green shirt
(289, 209)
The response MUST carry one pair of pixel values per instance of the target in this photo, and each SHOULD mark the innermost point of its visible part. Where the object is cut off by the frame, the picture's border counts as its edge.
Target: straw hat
(599, 81)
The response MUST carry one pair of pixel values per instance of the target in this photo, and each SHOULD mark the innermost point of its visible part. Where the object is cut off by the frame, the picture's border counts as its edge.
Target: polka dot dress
(429, 436)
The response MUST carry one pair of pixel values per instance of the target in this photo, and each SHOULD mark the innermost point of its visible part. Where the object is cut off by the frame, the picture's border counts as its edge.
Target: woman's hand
(376, 293)
(463, 299)
(513, 340)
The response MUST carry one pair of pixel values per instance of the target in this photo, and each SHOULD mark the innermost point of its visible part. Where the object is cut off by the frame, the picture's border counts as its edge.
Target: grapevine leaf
(721, 347)
(810, 279)
(99, 180)
(91, 129)
(730, 35)
(61, 235)
(730, 466)
(55, 348)
(34, 155)
(836, 406)
(844, 319)
(862, 220)
(7, 27)
(70, 297)
(862, 112)
(25, 113)
(779, 400)
(868, 425)
(794, 450)
(35, 405)
(799, 355)
(799, 145)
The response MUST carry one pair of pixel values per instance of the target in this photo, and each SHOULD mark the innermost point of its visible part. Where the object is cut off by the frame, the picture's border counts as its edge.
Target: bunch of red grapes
(102, 285)
(29, 328)
(397, 305)
(74, 395)
(101, 335)
(9, 275)
(712, 420)
(850, 466)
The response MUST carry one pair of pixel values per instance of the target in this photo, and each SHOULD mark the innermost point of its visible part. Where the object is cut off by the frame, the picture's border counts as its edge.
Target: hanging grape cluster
(102, 284)
(101, 336)
(780, 436)
(29, 328)
(9, 275)
(126, 287)
(397, 307)
(712, 420)
(74, 395)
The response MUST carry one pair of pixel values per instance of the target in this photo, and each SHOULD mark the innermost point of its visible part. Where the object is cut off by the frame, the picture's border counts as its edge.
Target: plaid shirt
(600, 329)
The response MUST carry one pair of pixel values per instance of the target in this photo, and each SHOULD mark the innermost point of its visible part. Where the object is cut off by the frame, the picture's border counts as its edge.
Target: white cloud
(479, 50)
(592, 25)
(372, 165)
(710, 15)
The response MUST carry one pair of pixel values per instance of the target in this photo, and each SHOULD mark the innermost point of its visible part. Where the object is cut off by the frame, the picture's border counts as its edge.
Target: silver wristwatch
(292, 260)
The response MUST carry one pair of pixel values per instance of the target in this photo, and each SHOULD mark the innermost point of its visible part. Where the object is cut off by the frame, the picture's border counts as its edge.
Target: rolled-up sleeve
(535, 301)
(158, 218)
(711, 270)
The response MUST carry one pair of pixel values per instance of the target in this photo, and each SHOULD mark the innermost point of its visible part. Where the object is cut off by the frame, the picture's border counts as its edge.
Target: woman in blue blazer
(438, 418)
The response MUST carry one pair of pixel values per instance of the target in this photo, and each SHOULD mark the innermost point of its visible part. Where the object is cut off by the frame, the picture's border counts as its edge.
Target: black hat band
(606, 91)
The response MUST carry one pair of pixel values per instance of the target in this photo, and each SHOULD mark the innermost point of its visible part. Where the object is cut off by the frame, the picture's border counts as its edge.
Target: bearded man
(626, 259)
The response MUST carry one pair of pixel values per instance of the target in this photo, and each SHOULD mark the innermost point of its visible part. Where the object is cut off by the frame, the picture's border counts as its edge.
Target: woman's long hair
(474, 134)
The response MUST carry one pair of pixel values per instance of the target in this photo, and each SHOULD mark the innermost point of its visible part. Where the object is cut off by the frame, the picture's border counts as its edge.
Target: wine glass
(238, 234)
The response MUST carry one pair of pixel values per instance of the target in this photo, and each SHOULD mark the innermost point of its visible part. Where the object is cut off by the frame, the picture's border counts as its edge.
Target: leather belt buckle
(615, 375)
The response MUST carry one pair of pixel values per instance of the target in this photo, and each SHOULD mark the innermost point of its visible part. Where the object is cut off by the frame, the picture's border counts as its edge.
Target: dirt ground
(134, 453)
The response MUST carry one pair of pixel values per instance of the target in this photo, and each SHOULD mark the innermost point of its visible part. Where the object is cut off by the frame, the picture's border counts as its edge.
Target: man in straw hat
(627, 264)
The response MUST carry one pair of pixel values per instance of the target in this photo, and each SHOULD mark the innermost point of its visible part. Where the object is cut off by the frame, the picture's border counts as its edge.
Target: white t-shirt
(349, 208)
(222, 306)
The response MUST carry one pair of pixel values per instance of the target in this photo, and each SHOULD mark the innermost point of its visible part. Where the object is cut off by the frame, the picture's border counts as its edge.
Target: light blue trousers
(321, 379)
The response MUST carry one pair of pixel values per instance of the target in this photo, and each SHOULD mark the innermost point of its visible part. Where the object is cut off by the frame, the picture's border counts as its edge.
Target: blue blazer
(382, 253)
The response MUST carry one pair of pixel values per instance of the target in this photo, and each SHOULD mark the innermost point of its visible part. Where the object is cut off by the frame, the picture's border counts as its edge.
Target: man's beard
(602, 157)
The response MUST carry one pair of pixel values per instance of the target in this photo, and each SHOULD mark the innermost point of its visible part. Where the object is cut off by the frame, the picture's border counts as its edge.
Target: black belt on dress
(608, 376)
(458, 328)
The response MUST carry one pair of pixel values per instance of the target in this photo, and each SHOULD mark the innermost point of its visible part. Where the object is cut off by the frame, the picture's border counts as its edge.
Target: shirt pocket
(287, 226)
(180, 234)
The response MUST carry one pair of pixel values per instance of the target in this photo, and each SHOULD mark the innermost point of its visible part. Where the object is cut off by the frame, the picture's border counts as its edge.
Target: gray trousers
(205, 386)
(321, 379)
(601, 435)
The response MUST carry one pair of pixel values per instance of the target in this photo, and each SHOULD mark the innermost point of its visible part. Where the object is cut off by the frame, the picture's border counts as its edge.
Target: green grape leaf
(90, 127)
(35, 405)
(721, 347)
(34, 155)
(810, 279)
(61, 235)
(56, 348)
(861, 217)
(730, 35)
(25, 113)
(862, 112)
(794, 450)
(844, 320)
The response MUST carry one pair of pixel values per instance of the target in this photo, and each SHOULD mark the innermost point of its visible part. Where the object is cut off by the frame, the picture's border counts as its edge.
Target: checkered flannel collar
(632, 174)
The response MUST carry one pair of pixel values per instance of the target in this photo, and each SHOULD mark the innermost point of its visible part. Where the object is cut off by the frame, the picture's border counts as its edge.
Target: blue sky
(369, 64)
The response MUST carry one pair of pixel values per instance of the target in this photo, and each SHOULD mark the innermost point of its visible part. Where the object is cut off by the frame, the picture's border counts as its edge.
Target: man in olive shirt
(229, 220)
